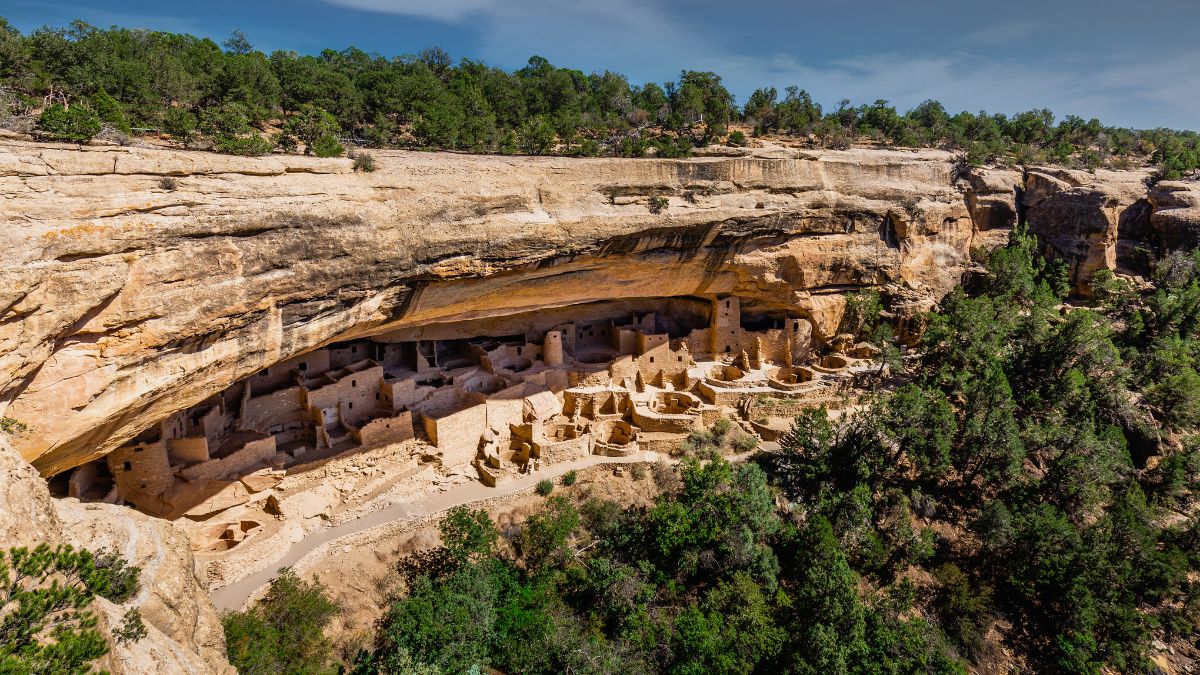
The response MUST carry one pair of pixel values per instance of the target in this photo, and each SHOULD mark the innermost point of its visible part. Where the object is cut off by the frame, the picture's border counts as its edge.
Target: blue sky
(1128, 63)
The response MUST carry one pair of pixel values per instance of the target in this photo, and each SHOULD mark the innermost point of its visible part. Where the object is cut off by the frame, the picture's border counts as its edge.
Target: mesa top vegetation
(72, 82)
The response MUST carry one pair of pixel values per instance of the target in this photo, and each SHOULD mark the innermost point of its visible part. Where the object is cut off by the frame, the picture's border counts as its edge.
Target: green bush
(11, 425)
(110, 111)
(46, 625)
(317, 128)
(544, 487)
(284, 633)
(181, 124)
(658, 204)
(737, 139)
(250, 146)
(569, 478)
(77, 123)
(744, 443)
(326, 146)
(721, 427)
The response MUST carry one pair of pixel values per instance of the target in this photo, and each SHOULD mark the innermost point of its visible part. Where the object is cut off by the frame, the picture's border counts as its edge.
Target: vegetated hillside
(1022, 496)
(71, 83)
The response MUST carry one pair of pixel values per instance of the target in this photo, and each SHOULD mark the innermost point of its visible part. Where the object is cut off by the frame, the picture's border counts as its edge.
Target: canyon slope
(137, 281)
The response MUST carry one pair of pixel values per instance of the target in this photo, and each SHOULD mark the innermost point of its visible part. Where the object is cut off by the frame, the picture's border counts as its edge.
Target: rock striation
(126, 297)
(126, 301)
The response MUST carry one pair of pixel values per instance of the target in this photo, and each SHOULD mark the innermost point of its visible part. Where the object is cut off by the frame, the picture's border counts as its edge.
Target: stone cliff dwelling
(608, 378)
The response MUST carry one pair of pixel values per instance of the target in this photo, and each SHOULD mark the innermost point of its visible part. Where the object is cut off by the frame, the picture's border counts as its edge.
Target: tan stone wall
(189, 450)
(385, 430)
(345, 356)
(258, 451)
(648, 420)
(457, 434)
(141, 468)
(281, 374)
(565, 450)
(357, 393)
(260, 413)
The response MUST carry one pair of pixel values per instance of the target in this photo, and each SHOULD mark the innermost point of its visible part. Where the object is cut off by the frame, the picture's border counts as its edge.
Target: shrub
(363, 162)
(132, 628)
(658, 204)
(110, 112)
(168, 183)
(285, 632)
(326, 146)
(11, 425)
(721, 427)
(665, 477)
(638, 471)
(744, 443)
(249, 146)
(544, 487)
(181, 124)
(77, 123)
(570, 477)
(964, 606)
(46, 625)
(737, 139)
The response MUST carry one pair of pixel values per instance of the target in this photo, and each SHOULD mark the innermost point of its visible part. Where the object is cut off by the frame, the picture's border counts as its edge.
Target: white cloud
(1003, 33)
(441, 10)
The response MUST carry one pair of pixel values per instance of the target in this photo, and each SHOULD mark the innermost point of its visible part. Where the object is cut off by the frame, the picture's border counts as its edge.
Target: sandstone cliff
(126, 298)
(125, 301)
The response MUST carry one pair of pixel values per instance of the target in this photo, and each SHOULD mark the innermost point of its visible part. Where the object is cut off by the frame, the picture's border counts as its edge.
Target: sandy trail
(233, 596)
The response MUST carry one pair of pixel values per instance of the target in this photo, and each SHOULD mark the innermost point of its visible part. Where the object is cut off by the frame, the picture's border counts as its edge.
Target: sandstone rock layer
(125, 298)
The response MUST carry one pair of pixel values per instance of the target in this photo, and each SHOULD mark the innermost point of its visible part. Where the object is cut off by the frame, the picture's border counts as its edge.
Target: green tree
(46, 625)
(77, 123)
(284, 632)
(316, 128)
(536, 136)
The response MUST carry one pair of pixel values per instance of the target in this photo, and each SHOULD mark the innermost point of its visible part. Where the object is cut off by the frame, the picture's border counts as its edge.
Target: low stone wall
(611, 450)
(765, 432)
(561, 451)
(647, 420)
(261, 412)
(385, 430)
(721, 397)
(258, 451)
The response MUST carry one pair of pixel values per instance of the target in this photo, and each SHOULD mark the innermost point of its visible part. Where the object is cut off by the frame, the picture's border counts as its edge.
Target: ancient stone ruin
(609, 382)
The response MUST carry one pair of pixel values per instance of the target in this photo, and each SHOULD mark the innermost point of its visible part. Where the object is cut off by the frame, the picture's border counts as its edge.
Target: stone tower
(726, 327)
(552, 348)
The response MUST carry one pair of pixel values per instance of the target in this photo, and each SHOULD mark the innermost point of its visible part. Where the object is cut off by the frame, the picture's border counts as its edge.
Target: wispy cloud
(440, 10)
(1003, 33)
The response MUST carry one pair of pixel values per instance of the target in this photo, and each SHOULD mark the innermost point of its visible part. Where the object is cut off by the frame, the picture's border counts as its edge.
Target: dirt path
(233, 596)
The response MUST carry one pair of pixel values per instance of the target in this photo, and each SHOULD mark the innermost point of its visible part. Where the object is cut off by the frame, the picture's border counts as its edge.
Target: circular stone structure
(224, 536)
(835, 362)
(790, 378)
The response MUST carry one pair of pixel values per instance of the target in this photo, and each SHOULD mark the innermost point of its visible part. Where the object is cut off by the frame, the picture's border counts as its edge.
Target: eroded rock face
(1176, 216)
(125, 299)
(184, 634)
(1082, 215)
